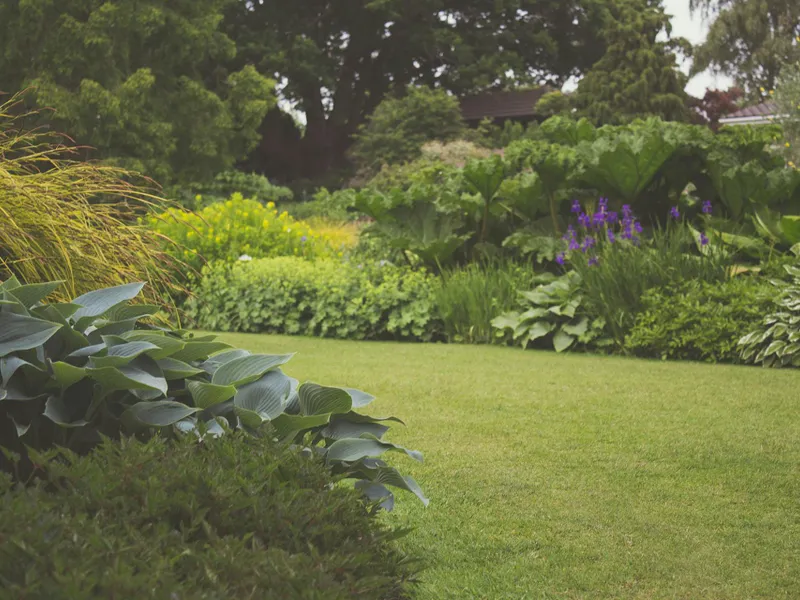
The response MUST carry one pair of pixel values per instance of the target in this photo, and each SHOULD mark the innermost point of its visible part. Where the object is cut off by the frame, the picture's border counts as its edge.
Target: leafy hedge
(699, 320)
(322, 298)
(237, 518)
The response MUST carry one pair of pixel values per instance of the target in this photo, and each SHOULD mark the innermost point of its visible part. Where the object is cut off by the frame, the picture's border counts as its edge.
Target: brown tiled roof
(759, 110)
(501, 104)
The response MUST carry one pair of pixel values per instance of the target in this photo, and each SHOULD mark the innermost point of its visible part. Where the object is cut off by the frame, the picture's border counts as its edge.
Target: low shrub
(698, 320)
(238, 517)
(224, 185)
(73, 372)
(237, 227)
(554, 314)
(323, 298)
(775, 341)
(467, 299)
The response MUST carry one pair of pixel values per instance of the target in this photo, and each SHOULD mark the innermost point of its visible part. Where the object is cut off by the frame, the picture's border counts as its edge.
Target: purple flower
(574, 245)
(593, 261)
(612, 217)
(626, 210)
(560, 258)
(674, 213)
(611, 237)
(584, 220)
(637, 227)
(576, 206)
(703, 239)
(303, 239)
(598, 219)
(588, 242)
(570, 235)
(707, 207)
(603, 203)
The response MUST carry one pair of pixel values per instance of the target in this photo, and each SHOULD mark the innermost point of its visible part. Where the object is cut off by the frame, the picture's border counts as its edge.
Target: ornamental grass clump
(618, 261)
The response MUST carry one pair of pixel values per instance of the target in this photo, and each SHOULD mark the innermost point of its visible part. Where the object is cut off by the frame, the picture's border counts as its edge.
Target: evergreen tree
(638, 75)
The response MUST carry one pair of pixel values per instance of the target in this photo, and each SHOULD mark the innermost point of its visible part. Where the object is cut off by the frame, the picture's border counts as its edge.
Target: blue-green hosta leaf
(86, 351)
(10, 283)
(124, 312)
(206, 395)
(142, 373)
(121, 354)
(292, 405)
(102, 328)
(507, 320)
(165, 345)
(199, 350)
(3, 394)
(97, 302)
(246, 369)
(249, 418)
(360, 399)
(32, 293)
(318, 399)
(66, 374)
(539, 329)
(562, 340)
(377, 491)
(21, 429)
(176, 369)
(161, 413)
(9, 304)
(265, 397)
(11, 364)
(578, 328)
(352, 449)
(390, 476)
(340, 428)
(287, 424)
(58, 413)
(18, 332)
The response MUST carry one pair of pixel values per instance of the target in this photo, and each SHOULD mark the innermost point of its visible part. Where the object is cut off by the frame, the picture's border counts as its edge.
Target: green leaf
(159, 414)
(121, 354)
(66, 374)
(97, 302)
(32, 293)
(562, 340)
(206, 395)
(58, 413)
(199, 350)
(265, 397)
(507, 320)
(11, 364)
(163, 345)
(125, 312)
(288, 424)
(317, 399)
(19, 332)
(360, 399)
(248, 368)
(539, 329)
(176, 369)
(143, 373)
(351, 449)
(576, 329)
(341, 428)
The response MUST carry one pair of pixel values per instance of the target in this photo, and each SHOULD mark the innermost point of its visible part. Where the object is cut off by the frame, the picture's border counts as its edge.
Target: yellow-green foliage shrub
(239, 226)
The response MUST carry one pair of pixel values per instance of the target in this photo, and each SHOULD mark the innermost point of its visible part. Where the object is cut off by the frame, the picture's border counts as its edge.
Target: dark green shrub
(226, 184)
(699, 320)
(322, 298)
(238, 517)
(72, 372)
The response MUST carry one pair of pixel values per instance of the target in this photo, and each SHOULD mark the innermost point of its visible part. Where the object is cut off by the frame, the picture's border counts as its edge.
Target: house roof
(760, 113)
(494, 105)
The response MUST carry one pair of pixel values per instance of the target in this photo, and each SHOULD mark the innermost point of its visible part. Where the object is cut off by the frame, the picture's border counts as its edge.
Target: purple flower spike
(576, 206)
(598, 219)
(674, 213)
(303, 239)
(612, 218)
(707, 208)
(626, 210)
(603, 204)
(574, 245)
(611, 237)
(560, 258)
(593, 261)
(637, 227)
(584, 220)
(703, 239)
(588, 242)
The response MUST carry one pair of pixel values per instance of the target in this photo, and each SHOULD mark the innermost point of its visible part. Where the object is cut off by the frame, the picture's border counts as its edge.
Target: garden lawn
(574, 476)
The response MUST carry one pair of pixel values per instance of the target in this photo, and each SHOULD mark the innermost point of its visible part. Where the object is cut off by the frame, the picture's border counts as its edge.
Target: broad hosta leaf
(539, 329)
(318, 399)
(562, 340)
(161, 413)
(287, 424)
(142, 373)
(99, 349)
(360, 399)
(390, 476)
(249, 418)
(18, 332)
(11, 364)
(32, 293)
(506, 321)
(176, 369)
(578, 328)
(341, 428)
(199, 350)
(355, 449)
(264, 397)
(124, 312)
(121, 354)
(164, 345)
(66, 374)
(248, 368)
(96, 303)
(377, 491)
(206, 395)
(58, 413)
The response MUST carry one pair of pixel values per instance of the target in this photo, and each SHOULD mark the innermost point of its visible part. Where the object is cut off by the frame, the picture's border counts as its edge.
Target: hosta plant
(552, 312)
(74, 372)
(777, 342)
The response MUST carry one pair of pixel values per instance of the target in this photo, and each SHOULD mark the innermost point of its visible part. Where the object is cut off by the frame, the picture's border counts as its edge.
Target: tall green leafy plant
(72, 372)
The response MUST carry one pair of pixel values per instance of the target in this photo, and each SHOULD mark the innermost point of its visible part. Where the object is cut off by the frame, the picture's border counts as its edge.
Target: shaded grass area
(574, 476)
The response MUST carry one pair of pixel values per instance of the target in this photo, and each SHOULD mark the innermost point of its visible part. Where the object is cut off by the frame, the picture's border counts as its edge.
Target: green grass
(573, 476)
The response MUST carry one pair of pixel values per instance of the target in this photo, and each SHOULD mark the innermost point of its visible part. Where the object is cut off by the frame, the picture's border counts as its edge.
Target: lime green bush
(325, 298)
(236, 517)
(239, 226)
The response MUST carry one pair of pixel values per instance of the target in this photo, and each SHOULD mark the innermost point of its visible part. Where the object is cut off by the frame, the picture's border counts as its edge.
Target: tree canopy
(144, 82)
(638, 74)
(749, 40)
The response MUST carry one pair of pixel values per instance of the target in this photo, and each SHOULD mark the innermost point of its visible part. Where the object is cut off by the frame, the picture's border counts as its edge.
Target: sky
(692, 27)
